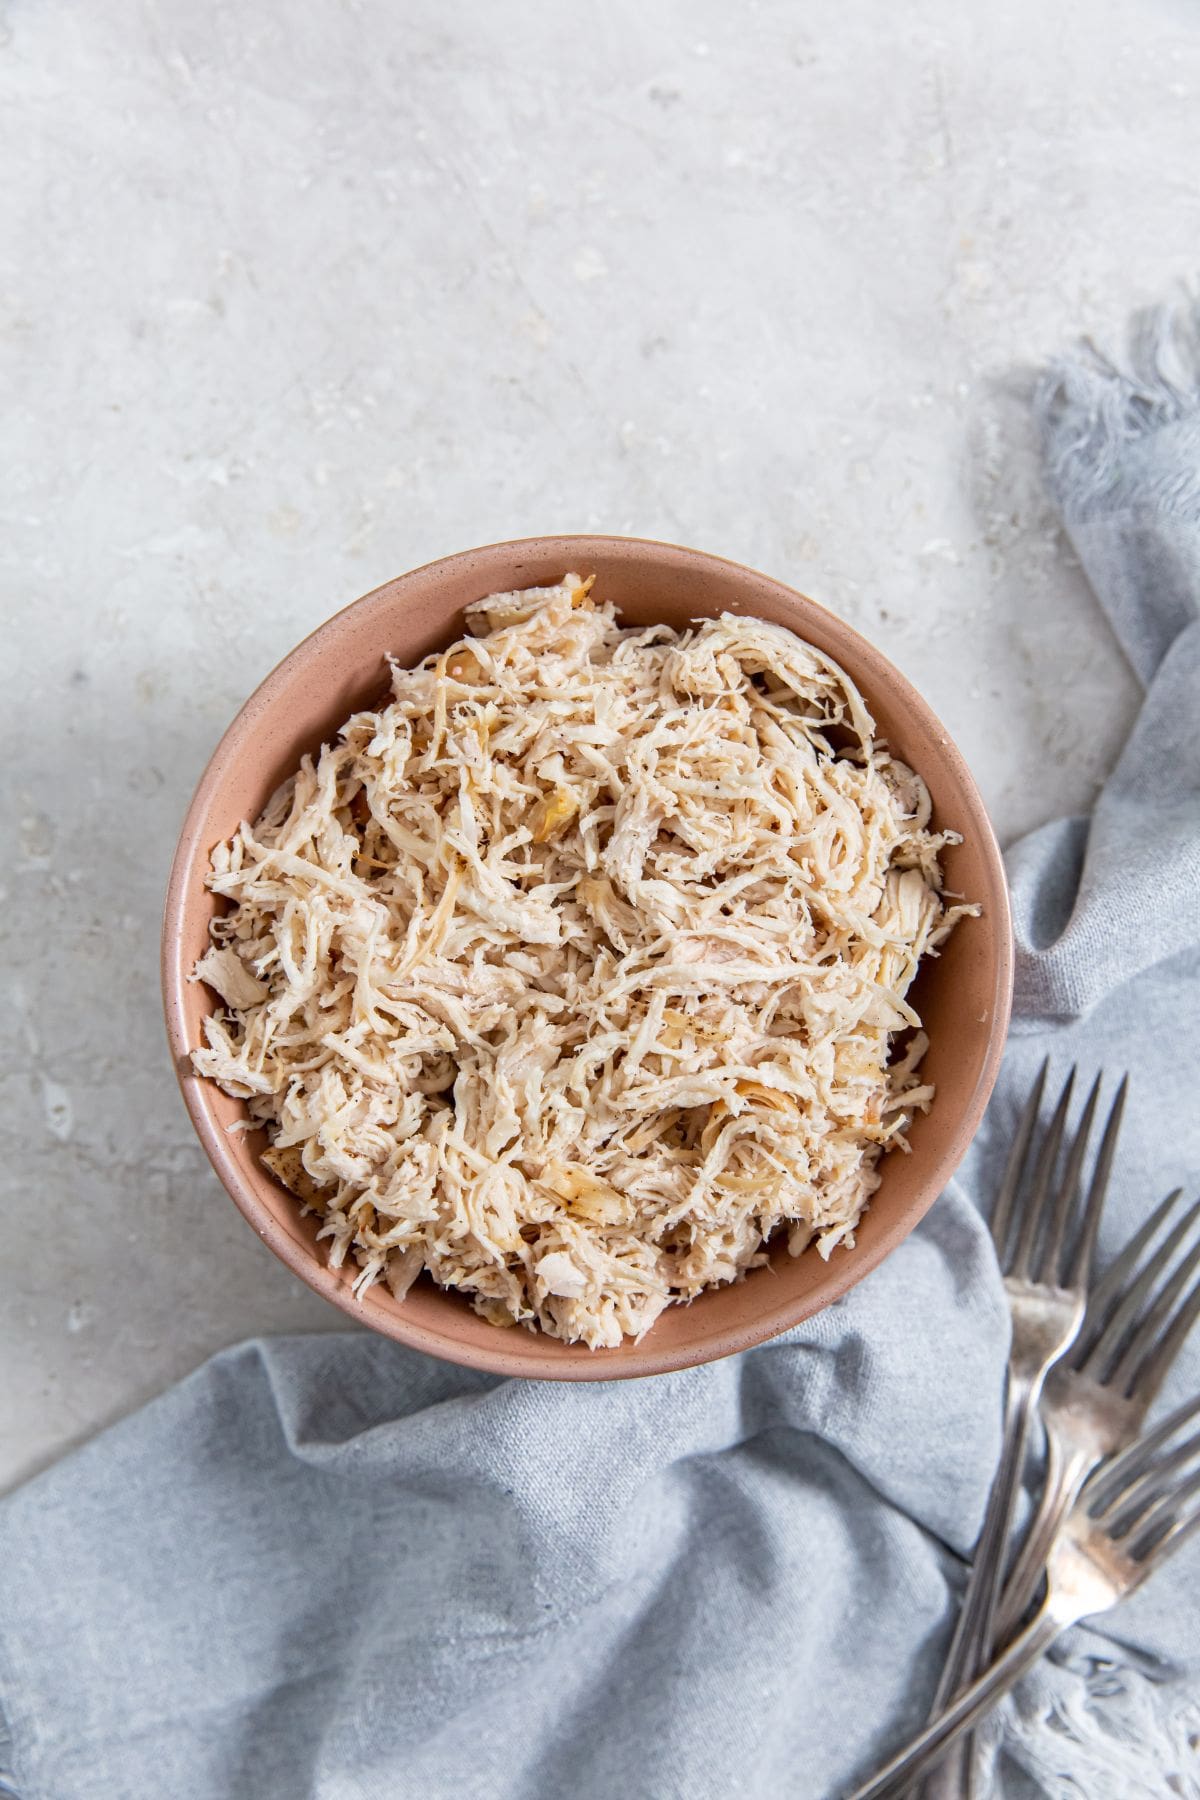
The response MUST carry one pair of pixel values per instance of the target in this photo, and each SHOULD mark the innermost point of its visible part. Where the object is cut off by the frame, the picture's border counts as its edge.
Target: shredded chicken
(577, 971)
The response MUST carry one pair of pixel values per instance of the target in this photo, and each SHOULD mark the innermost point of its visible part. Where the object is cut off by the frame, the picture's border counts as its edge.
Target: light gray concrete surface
(294, 298)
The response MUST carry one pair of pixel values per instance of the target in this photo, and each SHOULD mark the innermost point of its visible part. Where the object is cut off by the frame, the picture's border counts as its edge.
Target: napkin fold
(329, 1567)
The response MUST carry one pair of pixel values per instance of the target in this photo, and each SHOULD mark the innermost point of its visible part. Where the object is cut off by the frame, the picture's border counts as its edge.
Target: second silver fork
(1138, 1317)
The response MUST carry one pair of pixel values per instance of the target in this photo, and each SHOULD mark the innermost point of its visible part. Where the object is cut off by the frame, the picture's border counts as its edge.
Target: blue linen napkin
(329, 1567)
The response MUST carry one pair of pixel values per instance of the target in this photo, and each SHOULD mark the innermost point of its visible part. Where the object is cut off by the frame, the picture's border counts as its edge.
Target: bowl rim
(632, 1361)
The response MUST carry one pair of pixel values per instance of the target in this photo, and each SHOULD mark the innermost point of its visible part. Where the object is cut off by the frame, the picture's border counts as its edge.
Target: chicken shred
(576, 972)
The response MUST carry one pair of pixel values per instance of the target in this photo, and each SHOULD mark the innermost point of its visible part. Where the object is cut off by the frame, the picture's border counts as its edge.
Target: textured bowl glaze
(963, 996)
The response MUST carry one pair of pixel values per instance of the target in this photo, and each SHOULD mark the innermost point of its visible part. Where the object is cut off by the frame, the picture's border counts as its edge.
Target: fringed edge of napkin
(1087, 1725)
(1091, 409)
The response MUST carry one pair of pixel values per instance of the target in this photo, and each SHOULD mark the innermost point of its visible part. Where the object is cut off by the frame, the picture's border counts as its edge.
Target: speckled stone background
(294, 298)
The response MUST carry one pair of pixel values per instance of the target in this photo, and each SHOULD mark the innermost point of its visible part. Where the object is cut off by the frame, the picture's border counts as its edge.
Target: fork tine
(1015, 1166)
(1068, 1187)
(1173, 1539)
(1133, 1502)
(1035, 1205)
(1129, 1304)
(1150, 1329)
(1121, 1470)
(1114, 1277)
(1079, 1269)
(1162, 1515)
(1163, 1354)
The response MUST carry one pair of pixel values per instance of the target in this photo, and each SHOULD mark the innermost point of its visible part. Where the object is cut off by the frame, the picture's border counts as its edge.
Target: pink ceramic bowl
(963, 996)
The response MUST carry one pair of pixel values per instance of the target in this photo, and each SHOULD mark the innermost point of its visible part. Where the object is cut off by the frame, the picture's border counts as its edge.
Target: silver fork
(1047, 1267)
(1137, 1510)
(1138, 1316)
(1095, 1403)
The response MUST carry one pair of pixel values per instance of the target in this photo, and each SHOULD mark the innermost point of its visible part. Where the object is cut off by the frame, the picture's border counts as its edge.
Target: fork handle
(1066, 1472)
(1067, 1469)
(987, 1569)
(972, 1640)
(931, 1744)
